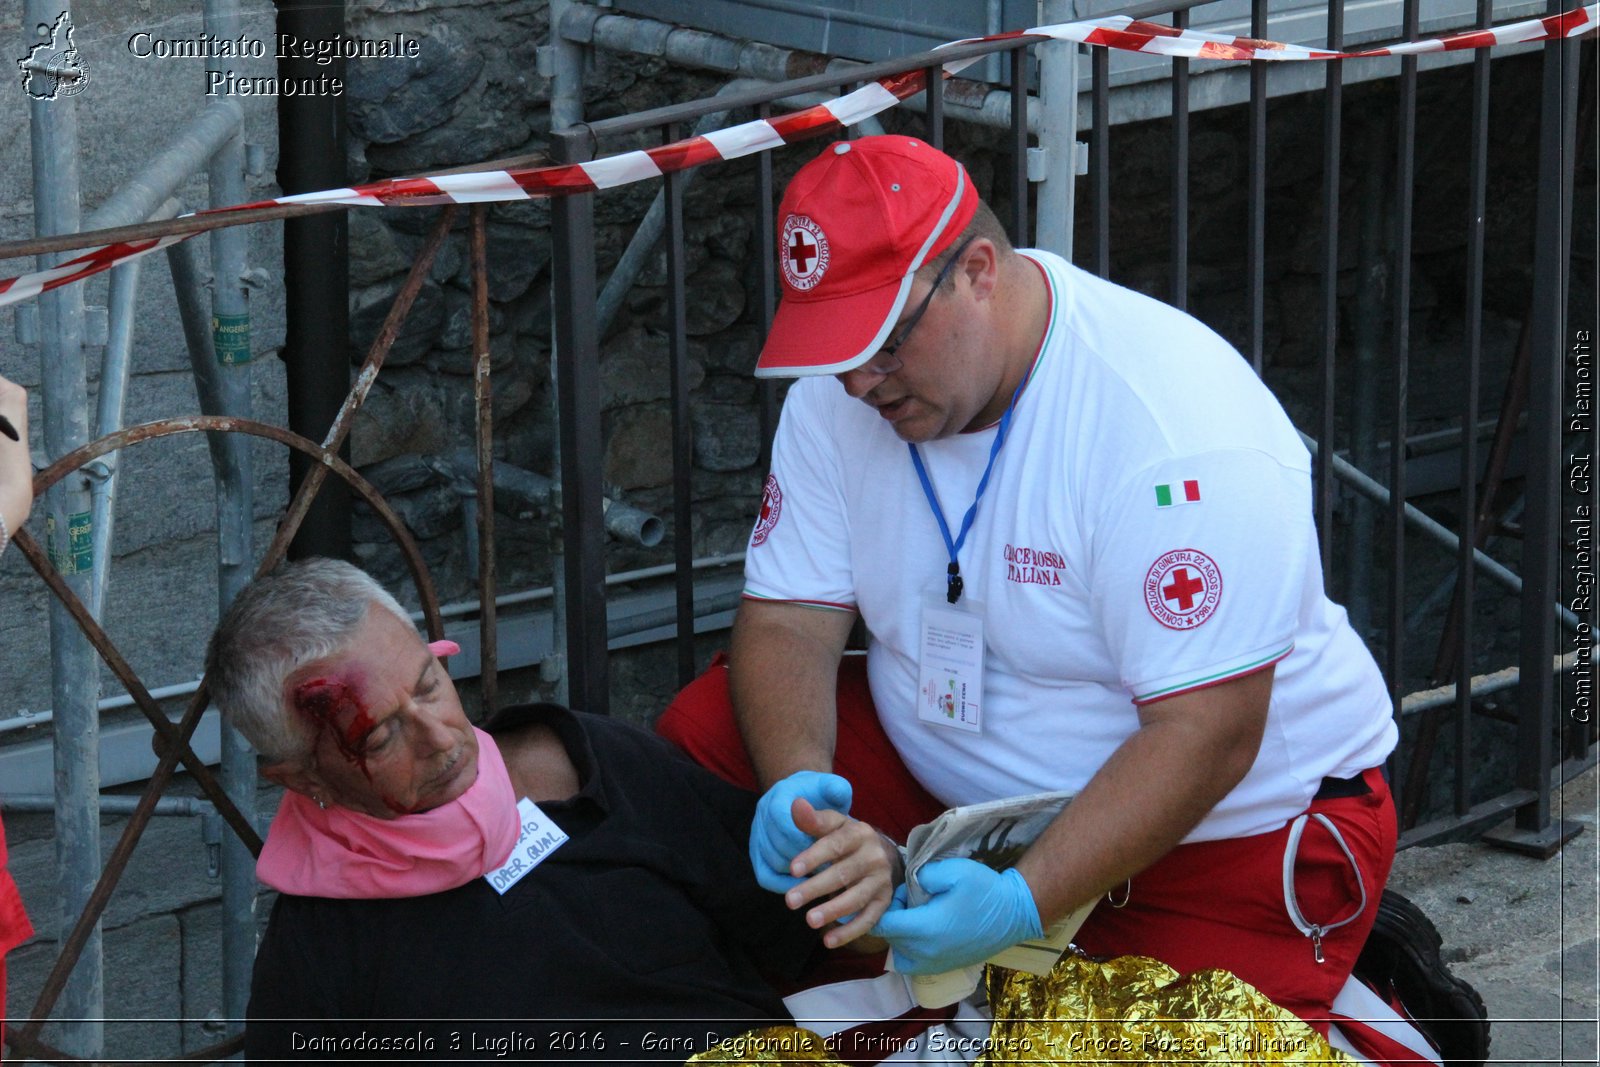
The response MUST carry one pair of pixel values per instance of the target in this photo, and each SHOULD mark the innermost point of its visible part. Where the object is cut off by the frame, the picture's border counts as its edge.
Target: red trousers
(14, 927)
(1221, 904)
(1211, 904)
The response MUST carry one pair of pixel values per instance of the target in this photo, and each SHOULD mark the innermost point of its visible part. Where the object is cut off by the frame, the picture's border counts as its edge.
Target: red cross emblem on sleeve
(1183, 588)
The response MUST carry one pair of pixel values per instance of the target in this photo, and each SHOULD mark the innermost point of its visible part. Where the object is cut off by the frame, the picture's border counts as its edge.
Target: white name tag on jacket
(539, 837)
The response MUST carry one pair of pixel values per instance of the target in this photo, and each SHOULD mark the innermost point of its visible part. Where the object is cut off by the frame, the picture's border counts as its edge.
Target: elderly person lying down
(556, 885)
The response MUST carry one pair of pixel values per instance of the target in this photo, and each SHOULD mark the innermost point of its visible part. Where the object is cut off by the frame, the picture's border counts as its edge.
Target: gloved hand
(972, 912)
(774, 839)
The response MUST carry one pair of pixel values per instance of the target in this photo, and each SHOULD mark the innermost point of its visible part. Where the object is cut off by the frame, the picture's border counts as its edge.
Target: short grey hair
(300, 613)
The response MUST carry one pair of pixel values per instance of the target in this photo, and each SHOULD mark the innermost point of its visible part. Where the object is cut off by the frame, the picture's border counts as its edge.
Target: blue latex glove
(972, 912)
(775, 840)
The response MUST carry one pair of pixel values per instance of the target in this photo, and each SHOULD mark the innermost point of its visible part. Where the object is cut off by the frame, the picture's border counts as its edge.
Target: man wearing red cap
(1079, 531)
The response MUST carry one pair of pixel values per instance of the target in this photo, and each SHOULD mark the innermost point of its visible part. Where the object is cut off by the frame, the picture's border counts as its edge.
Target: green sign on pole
(231, 336)
(77, 555)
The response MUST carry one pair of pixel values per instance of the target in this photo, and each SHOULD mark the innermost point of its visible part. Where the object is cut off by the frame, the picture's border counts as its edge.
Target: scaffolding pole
(69, 536)
(229, 370)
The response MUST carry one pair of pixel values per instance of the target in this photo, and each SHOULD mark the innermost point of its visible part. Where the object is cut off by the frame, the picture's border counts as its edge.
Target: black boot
(1401, 961)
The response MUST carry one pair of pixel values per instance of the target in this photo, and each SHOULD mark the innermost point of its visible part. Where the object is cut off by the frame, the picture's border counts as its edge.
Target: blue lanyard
(953, 583)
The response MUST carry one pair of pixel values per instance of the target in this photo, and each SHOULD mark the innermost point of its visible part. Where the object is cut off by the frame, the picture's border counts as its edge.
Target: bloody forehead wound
(325, 702)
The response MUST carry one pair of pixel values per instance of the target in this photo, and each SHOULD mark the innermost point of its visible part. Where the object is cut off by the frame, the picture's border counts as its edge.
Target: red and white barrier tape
(528, 183)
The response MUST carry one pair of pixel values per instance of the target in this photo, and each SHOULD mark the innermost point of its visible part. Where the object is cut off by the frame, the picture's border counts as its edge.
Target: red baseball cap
(855, 224)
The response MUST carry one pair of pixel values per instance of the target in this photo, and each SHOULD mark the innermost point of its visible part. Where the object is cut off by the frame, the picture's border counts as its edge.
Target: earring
(323, 804)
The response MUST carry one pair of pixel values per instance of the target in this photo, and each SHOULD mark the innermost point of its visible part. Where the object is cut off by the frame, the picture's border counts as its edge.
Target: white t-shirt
(1147, 531)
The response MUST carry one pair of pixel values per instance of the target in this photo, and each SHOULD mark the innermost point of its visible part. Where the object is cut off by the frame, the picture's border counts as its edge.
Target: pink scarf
(346, 854)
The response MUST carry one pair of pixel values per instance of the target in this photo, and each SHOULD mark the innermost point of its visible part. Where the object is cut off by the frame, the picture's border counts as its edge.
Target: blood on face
(328, 701)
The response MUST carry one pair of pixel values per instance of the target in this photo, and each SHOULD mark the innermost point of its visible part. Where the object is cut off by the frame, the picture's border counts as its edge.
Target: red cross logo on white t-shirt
(771, 509)
(1182, 588)
(804, 257)
(1182, 591)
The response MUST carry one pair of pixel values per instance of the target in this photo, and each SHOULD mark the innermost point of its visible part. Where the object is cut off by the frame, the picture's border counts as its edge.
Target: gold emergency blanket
(1134, 1009)
(1126, 1010)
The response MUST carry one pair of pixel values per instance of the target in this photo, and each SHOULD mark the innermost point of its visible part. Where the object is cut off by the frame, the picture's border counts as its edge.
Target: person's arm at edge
(16, 466)
(1197, 746)
(783, 673)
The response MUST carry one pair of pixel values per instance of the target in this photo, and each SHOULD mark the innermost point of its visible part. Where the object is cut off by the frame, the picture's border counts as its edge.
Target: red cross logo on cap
(804, 258)
(801, 251)
(1183, 588)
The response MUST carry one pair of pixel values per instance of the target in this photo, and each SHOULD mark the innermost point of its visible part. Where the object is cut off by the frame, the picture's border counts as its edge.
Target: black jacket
(636, 938)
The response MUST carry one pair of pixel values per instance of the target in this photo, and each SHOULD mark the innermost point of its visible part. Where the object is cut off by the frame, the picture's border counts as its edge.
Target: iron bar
(1405, 178)
(180, 807)
(577, 371)
(566, 111)
(29, 719)
(1332, 133)
(483, 399)
(1256, 225)
(1100, 161)
(767, 272)
(1180, 172)
(1478, 685)
(682, 422)
(311, 140)
(1477, 205)
(311, 156)
(1371, 301)
(1019, 148)
(935, 98)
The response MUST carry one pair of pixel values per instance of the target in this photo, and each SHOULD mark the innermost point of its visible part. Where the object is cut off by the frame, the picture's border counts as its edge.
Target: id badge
(538, 838)
(950, 665)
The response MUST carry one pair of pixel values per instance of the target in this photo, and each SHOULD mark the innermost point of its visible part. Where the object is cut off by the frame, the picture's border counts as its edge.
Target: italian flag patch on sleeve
(1172, 494)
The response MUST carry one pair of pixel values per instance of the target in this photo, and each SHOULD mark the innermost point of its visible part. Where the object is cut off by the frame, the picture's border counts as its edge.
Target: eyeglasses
(886, 360)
